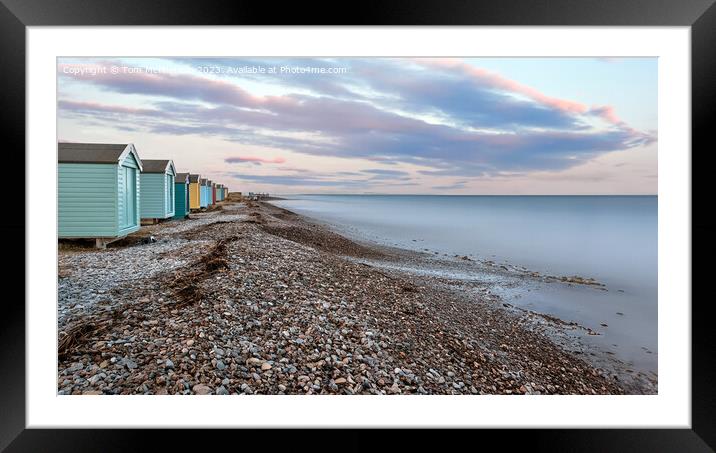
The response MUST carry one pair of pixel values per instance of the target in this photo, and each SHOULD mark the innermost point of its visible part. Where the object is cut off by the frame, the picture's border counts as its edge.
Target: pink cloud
(254, 159)
(607, 113)
(497, 81)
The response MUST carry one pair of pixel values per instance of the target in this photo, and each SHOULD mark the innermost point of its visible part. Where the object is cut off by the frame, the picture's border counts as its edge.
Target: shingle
(100, 153)
(154, 165)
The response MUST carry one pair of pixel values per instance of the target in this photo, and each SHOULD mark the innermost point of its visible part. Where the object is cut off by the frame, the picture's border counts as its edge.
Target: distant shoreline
(289, 197)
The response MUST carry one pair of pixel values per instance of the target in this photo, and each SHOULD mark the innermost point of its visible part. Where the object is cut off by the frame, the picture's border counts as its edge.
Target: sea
(612, 239)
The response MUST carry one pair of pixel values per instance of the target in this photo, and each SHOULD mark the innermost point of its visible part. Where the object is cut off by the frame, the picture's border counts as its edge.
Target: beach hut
(98, 191)
(203, 202)
(194, 192)
(219, 192)
(213, 193)
(209, 192)
(157, 191)
(181, 197)
(226, 193)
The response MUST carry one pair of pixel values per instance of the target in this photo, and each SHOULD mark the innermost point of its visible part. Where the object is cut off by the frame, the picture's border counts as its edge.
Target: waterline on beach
(610, 239)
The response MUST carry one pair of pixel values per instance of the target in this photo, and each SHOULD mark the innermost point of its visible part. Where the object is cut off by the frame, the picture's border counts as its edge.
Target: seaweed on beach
(186, 284)
(74, 337)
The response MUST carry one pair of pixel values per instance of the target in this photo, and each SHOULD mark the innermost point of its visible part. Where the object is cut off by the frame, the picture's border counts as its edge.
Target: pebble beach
(249, 298)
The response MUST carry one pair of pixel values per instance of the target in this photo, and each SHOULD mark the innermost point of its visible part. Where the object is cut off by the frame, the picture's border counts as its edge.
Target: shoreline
(589, 339)
(252, 298)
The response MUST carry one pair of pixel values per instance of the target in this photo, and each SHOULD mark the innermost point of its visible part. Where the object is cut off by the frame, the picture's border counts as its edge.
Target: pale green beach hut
(98, 191)
(157, 189)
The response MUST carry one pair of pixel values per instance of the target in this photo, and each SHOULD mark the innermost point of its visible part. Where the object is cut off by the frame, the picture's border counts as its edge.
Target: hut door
(130, 197)
(170, 186)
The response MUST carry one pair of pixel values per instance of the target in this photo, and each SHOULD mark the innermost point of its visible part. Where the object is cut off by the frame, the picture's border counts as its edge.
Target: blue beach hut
(210, 192)
(181, 196)
(98, 191)
(157, 191)
(204, 202)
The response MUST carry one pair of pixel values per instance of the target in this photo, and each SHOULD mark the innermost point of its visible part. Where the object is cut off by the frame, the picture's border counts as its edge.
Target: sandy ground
(251, 298)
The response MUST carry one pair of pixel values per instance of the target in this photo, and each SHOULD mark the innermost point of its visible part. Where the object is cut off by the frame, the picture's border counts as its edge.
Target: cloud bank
(444, 115)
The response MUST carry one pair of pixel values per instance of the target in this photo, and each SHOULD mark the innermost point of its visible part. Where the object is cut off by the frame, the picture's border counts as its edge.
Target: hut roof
(182, 177)
(158, 166)
(193, 178)
(203, 181)
(96, 153)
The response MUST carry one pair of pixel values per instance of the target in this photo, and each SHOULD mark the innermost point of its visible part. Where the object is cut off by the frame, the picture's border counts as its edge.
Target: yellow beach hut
(194, 192)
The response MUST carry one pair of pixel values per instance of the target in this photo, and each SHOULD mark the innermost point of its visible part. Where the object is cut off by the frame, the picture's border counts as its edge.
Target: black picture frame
(700, 15)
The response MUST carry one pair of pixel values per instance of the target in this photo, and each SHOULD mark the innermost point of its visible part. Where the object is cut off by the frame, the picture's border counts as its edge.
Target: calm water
(611, 239)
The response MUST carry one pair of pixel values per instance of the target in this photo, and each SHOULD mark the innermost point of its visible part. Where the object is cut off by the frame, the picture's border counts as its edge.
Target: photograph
(357, 225)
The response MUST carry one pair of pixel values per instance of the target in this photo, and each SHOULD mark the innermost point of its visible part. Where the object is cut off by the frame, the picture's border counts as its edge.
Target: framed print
(392, 223)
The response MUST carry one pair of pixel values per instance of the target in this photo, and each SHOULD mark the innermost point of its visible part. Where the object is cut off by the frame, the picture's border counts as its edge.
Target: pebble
(201, 389)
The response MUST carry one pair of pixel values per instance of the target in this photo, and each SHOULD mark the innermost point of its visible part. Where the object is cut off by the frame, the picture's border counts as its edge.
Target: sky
(448, 126)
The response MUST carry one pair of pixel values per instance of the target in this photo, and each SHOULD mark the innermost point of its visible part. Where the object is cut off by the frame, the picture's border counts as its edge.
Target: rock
(96, 378)
(190, 343)
(201, 389)
(265, 366)
(169, 364)
(222, 391)
(130, 364)
(220, 365)
(340, 381)
(282, 387)
(253, 361)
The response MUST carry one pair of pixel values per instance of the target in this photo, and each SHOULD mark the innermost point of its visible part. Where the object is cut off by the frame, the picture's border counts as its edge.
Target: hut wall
(154, 198)
(87, 200)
